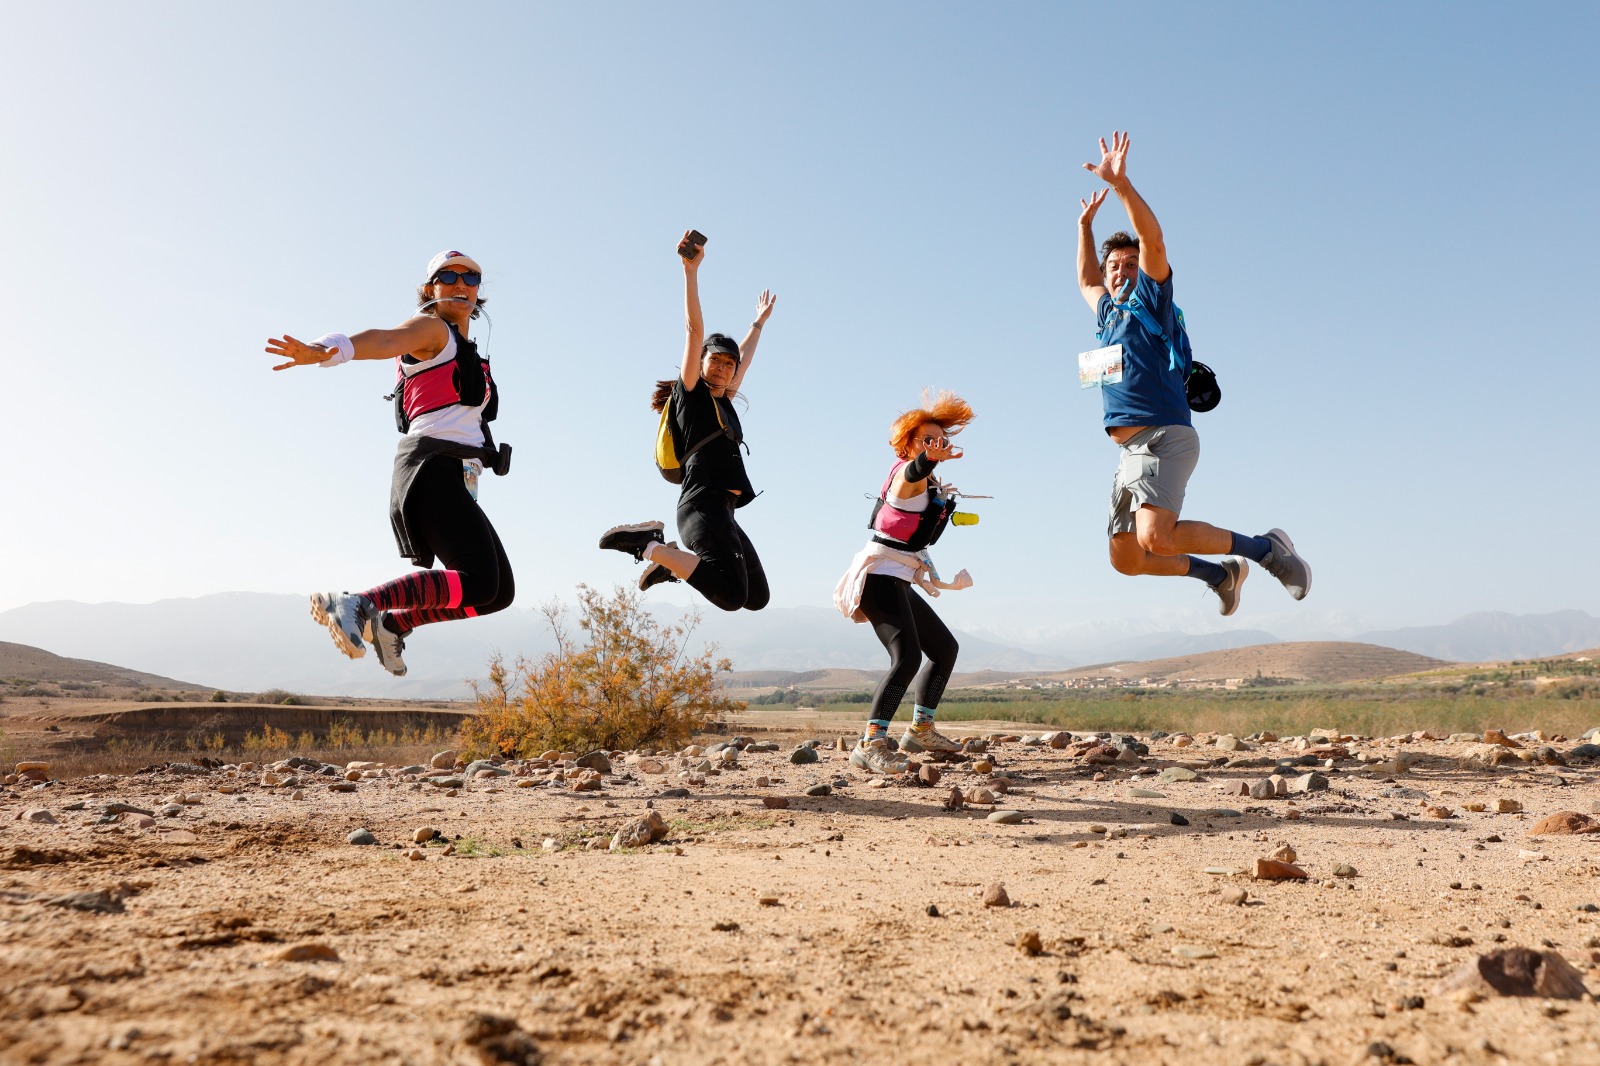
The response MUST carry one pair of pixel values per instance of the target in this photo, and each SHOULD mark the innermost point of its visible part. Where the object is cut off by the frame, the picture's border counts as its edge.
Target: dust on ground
(242, 927)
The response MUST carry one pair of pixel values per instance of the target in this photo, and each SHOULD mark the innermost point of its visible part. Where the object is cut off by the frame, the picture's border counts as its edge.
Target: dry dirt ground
(246, 928)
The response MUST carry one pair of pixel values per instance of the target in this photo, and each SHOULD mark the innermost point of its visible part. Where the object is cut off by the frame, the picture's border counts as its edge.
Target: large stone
(928, 774)
(444, 760)
(1308, 783)
(478, 766)
(1272, 870)
(38, 816)
(362, 836)
(1516, 972)
(995, 896)
(596, 761)
(637, 832)
(803, 755)
(1173, 774)
(1565, 823)
(1006, 817)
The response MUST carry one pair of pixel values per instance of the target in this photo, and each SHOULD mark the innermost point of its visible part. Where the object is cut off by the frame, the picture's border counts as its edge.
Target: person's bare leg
(1159, 532)
(677, 561)
(1127, 557)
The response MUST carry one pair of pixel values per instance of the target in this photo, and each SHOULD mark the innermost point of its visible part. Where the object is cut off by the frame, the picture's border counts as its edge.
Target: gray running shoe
(346, 615)
(876, 758)
(1228, 592)
(388, 645)
(929, 739)
(633, 538)
(655, 573)
(1286, 565)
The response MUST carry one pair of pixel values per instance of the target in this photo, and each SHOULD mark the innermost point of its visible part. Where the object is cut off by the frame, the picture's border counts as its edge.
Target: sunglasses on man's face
(450, 277)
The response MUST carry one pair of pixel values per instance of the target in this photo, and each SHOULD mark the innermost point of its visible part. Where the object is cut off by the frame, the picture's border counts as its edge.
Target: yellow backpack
(668, 461)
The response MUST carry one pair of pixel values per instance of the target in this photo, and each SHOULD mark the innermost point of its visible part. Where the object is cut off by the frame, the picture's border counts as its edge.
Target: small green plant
(219, 696)
(473, 848)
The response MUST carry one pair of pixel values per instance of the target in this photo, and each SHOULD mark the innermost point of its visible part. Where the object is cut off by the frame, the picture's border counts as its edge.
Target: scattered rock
(1507, 806)
(1146, 793)
(105, 901)
(424, 834)
(820, 790)
(1285, 853)
(638, 832)
(493, 1038)
(1565, 823)
(1309, 783)
(596, 760)
(981, 796)
(803, 755)
(995, 896)
(1177, 819)
(1029, 943)
(38, 816)
(1495, 736)
(928, 774)
(776, 803)
(1175, 774)
(361, 836)
(1343, 869)
(1516, 972)
(1006, 817)
(1272, 870)
(1194, 951)
(1234, 896)
(415, 854)
(955, 801)
(768, 897)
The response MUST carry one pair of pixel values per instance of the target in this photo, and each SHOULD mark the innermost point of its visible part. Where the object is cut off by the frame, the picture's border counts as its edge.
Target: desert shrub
(631, 684)
(219, 696)
(280, 697)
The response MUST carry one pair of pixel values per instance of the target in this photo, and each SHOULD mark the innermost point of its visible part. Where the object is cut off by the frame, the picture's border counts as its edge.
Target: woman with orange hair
(913, 509)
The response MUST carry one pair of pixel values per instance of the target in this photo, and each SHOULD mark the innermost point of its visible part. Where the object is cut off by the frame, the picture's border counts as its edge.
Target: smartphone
(691, 245)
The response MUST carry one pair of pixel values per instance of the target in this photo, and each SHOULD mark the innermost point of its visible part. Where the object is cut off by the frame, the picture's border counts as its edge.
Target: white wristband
(342, 347)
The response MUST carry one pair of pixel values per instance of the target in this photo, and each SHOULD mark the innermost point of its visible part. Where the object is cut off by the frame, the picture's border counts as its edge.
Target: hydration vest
(909, 530)
(424, 386)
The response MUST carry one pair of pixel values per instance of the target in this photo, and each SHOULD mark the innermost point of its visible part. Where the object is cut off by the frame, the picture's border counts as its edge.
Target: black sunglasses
(450, 277)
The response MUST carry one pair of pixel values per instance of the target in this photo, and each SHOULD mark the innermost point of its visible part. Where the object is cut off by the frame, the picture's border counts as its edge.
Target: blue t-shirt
(1150, 393)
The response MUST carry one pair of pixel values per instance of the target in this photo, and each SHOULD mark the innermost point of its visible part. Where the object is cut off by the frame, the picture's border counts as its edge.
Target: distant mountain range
(248, 642)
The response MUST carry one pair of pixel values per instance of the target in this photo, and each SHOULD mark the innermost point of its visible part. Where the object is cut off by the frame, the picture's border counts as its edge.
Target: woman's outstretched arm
(752, 337)
(422, 336)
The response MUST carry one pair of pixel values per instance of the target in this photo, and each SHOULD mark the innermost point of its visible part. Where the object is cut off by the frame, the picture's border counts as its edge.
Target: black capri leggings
(442, 514)
(907, 626)
(729, 573)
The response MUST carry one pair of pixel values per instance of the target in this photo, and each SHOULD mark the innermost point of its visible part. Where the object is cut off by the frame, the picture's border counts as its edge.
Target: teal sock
(922, 716)
(876, 729)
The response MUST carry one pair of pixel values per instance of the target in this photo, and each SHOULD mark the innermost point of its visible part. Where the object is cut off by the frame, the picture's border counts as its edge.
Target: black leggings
(442, 514)
(907, 626)
(729, 573)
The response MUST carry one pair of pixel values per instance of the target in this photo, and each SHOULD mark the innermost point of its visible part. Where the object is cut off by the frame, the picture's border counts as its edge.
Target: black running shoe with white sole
(656, 574)
(633, 538)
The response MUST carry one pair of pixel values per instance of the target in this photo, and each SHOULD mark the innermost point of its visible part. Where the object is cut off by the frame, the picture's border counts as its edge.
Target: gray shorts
(1154, 468)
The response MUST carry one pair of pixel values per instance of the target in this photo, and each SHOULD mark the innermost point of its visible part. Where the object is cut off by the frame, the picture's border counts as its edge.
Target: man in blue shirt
(1147, 412)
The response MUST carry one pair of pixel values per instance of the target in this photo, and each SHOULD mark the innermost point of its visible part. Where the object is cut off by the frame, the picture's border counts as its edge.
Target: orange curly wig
(945, 409)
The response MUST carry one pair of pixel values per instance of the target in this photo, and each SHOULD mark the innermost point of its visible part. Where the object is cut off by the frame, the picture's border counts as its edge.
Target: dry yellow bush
(631, 684)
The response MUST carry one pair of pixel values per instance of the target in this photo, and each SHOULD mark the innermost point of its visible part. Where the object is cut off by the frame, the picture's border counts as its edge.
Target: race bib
(1103, 366)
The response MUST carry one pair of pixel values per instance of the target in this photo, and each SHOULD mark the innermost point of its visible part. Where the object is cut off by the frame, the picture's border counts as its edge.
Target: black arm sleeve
(920, 467)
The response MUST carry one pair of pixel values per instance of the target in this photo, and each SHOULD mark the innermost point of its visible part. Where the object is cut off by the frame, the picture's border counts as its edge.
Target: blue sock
(875, 728)
(922, 716)
(1253, 548)
(1209, 572)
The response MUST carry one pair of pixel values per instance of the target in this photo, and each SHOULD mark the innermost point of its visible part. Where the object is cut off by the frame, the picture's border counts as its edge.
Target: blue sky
(1380, 218)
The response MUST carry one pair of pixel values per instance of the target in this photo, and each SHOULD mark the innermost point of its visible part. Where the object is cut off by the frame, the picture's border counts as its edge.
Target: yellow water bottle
(963, 518)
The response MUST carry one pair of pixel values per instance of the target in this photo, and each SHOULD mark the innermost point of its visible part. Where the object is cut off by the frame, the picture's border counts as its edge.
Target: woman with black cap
(444, 401)
(717, 558)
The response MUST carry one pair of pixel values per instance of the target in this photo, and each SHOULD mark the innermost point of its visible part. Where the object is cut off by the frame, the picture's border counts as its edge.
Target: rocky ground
(1321, 899)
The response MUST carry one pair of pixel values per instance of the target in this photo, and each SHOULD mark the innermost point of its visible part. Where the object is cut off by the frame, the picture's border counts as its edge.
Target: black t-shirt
(719, 465)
